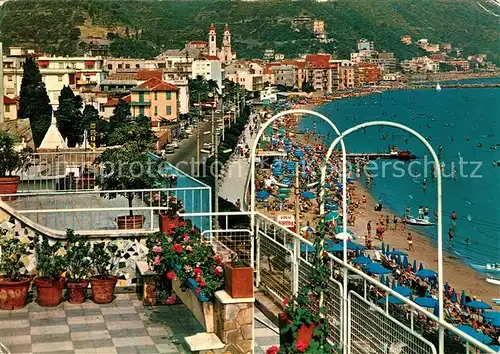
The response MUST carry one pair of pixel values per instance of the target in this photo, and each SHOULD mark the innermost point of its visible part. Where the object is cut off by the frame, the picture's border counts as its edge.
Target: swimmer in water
(454, 173)
(479, 145)
(424, 183)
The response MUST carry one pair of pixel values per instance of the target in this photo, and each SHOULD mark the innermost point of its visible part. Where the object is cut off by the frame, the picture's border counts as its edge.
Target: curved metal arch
(439, 198)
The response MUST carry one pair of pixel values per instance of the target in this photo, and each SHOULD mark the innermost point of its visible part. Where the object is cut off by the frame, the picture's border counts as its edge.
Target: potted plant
(11, 161)
(79, 264)
(14, 285)
(51, 263)
(169, 217)
(238, 278)
(104, 257)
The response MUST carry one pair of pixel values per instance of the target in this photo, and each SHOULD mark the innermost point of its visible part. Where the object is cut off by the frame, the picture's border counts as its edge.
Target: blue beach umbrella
(396, 253)
(382, 279)
(453, 296)
(495, 348)
(331, 216)
(377, 268)
(405, 262)
(336, 247)
(305, 247)
(426, 273)
(362, 260)
(308, 195)
(392, 299)
(421, 266)
(403, 290)
(478, 305)
(462, 298)
(425, 301)
(307, 148)
(483, 338)
(414, 265)
(492, 317)
(262, 194)
(298, 153)
(446, 288)
(436, 309)
(388, 248)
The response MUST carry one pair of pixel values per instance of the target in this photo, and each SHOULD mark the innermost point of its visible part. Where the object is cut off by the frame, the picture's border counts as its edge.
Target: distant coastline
(452, 76)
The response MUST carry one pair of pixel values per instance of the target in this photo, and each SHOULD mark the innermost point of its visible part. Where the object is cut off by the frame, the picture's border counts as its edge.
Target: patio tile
(6, 332)
(14, 324)
(83, 312)
(88, 327)
(18, 349)
(127, 332)
(49, 322)
(118, 310)
(93, 344)
(167, 348)
(49, 314)
(49, 347)
(132, 341)
(124, 325)
(108, 350)
(44, 338)
(85, 319)
(123, 317)
(49, 330)
(16, 340)
(86, 335)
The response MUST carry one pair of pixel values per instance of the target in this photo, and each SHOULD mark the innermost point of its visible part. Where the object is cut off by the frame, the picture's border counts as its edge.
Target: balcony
(139, 103)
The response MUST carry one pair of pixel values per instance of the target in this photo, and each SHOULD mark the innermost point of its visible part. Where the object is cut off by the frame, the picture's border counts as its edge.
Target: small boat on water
(488, 268)
(491, 280)
(410, 220)
(438, 87)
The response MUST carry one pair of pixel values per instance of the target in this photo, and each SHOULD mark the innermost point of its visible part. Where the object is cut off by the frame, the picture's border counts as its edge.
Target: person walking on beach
(387, 220)
(369, 228)
(410, 242)
(395, 222)
(450, 236)
(408, 211)
(403, 223)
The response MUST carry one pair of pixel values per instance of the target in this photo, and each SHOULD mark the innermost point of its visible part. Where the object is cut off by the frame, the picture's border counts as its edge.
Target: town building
(446, 47)
(420, 65)
(268, 76)
(249, 74)
(157, 100)
(122, 65)
(364, 44)
(210, 68)
(386, 60)
(285, 75)
(406, 39)
(363, 55)
(348, 75)
(225, 53)
(369, 74)
(10, 106)
(95, 46)
(319, 26)
(279, 56)
(320, 73)
(269, 54)
(459, 64)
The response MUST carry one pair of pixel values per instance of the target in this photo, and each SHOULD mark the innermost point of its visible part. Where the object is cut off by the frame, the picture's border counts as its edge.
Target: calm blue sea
(465, 123)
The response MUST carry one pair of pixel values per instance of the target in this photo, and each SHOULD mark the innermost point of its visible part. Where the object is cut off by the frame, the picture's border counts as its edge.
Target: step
(204, 341)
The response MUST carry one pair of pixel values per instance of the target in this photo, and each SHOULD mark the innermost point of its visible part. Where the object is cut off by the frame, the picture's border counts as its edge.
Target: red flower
(171, 226)
(193, 230)
(171, 300)
(197, 271)
(301, 345)
(217, 259)
(273, 350)
(198, 290)
(218, 270)
(177, 248)
(170, 275)
(285, 302)
(182, 223)
(203, 283)
(283, 316)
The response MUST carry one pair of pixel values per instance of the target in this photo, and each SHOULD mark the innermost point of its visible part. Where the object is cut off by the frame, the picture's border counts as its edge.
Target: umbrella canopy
(377, 268)
(284, 190)
(478, 305)
(392, 299)
(493, 318)
(421, 266)
(483, 338)
(462, 298)
(495, 348)
(307, 228)
(396, 253)
(362, 260)
(305, 247)
(426, 273)
(335, 247)
(262, 194)
(307, 195)
(298, 153)
(282, 196)
(403, 290)
(414, 267)
(331, 216)
(453, 296)
(425, 302)
(405, 262)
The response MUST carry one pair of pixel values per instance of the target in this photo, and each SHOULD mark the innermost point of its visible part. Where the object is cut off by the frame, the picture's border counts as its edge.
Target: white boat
(410, 220)
(494, 281)
(488, 268)
(438, 87)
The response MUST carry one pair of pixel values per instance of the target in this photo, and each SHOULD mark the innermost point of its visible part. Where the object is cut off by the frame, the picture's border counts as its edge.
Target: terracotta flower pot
(166, 222)
(77, 292)
(13, 294)
(130, 222)
(49, 292)
(103, 290)
(8, 185)
(238, 281)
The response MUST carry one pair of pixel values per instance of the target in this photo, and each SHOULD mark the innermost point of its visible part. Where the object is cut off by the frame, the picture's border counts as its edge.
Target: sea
(465, 122)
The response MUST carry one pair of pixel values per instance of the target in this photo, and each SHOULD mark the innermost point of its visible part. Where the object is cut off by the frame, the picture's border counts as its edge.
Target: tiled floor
(124, 326)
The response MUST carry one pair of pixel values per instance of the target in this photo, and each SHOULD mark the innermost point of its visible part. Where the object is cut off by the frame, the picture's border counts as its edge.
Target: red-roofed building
(369, 74)
(319, 73)
(143, 75)
(157, 100)
(10, 108)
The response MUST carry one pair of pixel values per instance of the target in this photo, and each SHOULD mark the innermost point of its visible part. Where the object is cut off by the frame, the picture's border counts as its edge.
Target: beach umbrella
(421, 266)
(426, 273)
(481, 337)
(362, 260)
(396, 253)
(277, 172)
(392, 299)
(388, 248)
(403, 290)
(436, 310)
(298, 153)
(284, 190)
(495, 348)
(308, 148)
(492, 318)
(453, 296)
(305, 247)
(382, 278)
(307, 228)
(377, 268)
(331, 216)
(478, 305)
(405, 262)
(337, 247)
(308, 195)
(414, 265)
(354, 246)
(286, 180)
(462, 298)
(262, 194)
(382, 246)
(282, 196)
(425, 302)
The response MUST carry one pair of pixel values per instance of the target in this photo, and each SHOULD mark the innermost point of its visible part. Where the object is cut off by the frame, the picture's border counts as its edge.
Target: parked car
(207, 146)
(175, 143)
(169, 149)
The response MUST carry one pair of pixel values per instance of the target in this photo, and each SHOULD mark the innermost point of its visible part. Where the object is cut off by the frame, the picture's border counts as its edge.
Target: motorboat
(488, 268)
(410, 220)
(491, 280)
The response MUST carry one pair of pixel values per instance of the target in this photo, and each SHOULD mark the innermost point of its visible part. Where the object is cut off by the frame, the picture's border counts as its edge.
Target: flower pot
(130, 222)
(8, 185)
(238, 281)
(103, 290)
(77, 292)
(13, 294)
(167, 223)
(49, 292)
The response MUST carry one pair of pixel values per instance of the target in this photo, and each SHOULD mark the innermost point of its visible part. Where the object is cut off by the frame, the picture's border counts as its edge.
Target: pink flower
(218, 270)
(188, 269)
(157, 260)
(171, 300)
(177, 248)
(170, 275)
(182, 223)
(285, 302)
(203, 283)
(157, 249)
(189, 248)
(157, 197)
(198, 290)
(185, 238)
(217, 259)
(301, 345)
(197, 271)
(193, 230)
(273, 350)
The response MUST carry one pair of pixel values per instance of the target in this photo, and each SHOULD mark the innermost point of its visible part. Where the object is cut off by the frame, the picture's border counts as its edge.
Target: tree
(69, 116)
(120, 115)
(137, 130)
(34, 102)
(91, 115)
(307, 87)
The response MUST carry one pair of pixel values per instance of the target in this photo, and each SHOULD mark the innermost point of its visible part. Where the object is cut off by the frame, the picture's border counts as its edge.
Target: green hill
(144, 28)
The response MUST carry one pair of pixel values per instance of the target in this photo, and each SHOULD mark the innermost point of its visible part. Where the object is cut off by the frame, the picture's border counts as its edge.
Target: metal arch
(254, 148)
(439, 198)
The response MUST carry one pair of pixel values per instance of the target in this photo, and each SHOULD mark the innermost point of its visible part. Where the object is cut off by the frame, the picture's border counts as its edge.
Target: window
(169, 110)
(110, 66)
(7, 108)
(156, 110)
(127, 66)
(137, 66)
(102, 108)
(156, 97)
(169, 95)
(59, 77)
(9, 77)
(120, 66)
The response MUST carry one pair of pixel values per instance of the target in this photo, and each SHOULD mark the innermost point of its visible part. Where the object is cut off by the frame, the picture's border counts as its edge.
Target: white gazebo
(53, 138)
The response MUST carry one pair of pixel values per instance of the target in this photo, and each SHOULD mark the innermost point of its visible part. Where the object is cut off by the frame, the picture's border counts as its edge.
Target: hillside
(145, 28)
